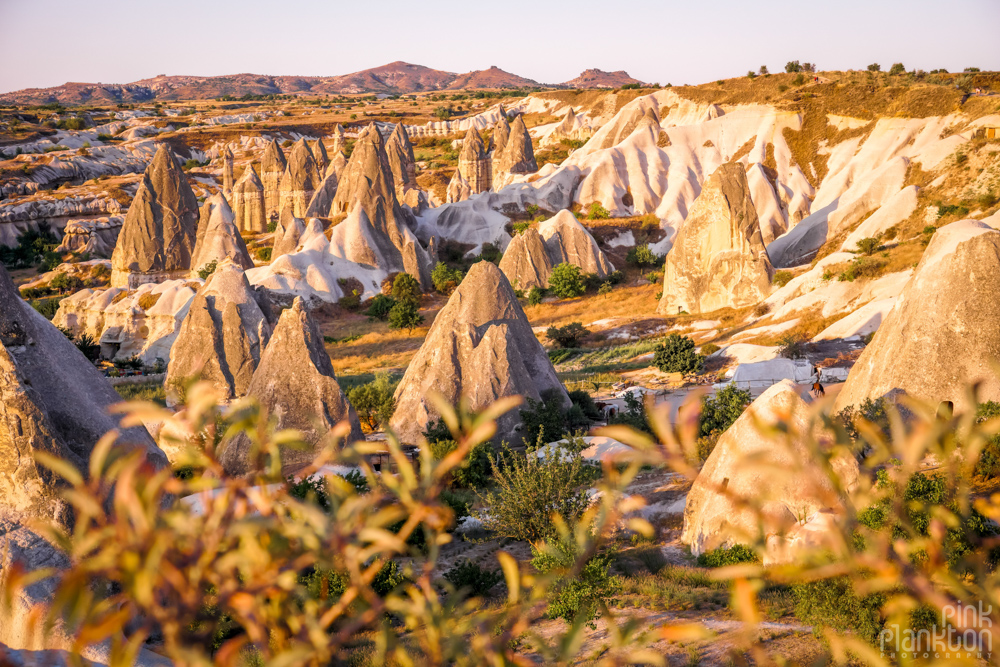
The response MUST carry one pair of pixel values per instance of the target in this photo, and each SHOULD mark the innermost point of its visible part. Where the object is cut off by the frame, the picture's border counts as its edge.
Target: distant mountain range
(397, 77)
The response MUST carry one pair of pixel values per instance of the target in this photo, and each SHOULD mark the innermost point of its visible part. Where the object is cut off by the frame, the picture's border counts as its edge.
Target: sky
(49, 42)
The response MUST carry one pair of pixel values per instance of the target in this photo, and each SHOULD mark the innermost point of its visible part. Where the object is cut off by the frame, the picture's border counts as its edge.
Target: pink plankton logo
(965, 631)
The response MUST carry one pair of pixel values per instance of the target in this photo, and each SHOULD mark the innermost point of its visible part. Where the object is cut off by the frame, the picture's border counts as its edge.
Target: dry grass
(624, 301)
(148, 300)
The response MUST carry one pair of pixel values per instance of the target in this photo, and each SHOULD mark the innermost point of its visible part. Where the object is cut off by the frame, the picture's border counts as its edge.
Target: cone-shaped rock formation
(272, 168)
(718, 259)
(248, 202)
(481, 345)
(296, 385)
(218, 237)
(942, 334)
(160, 229)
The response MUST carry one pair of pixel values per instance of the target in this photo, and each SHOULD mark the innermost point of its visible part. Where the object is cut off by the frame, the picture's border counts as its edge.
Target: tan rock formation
(319, 156)
(160, 228)
(272, 168)
(95, 237)
(531, 256)
(367, 180)
(300, 180)
(296, 385)
(517, 156)
(480, 345)
(399, 150)
(941, 336)
(223, 335)
(566, 240)
(339, 138)
(53, 400)
(718, 259)
(571, 128)
(227, 171)
(526, 262)
(287, 234)
(501, 132)
(474, 173)
(218, 238)
(749, 477)
(248, 202)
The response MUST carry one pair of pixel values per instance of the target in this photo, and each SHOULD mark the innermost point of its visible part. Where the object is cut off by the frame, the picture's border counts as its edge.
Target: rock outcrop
(223, 335)
(218, 237)
(227, 171)
(941, 336)
(474, 173)
(95, 237)
(248, 202)
(319, 155)
(296, 385)
(53, 400)
(299, 181)
(143, 322)
(526, 262)
(751, 482)
(718, 259)
(531, 256)
(501, 133)
(322, 199)
(481, 346)
(339, 138)
(399, 150)
(571, 128)
(516, 157)
(272, 168)
(367, 181)
(287, 234)
(160, 228)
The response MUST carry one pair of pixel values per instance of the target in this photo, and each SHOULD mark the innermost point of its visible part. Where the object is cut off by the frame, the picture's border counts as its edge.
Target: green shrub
(88, 346)
(474, 471)
(580, 594)
(642, 256)
(616, 277)
(550, 419)
(676, 354)
(490, 253)
(782, 278)
(528, 490)
(207, 270)
(405, 315)
(709, 349)
(597, 212)
(566, 281)
(521, 227)
(445, 279)
(605, 289)
(897, 69)
(633, 414)
(718, 413)
(472, 578)
(567, 336)
(874, 67)
(535, 295)
(263, 254)
(792, 346)
(724, 556)
(869, 246)
(47, 307)
(374, 401)
(350, 301)
(834, 603)
(798, 80)
(988, 465)
(380, 307)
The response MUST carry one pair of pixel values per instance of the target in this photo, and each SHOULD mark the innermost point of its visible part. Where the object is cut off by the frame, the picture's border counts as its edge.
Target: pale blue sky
(49, 42)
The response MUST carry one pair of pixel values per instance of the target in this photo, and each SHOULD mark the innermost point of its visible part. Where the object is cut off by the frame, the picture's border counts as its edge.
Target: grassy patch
(149, 391)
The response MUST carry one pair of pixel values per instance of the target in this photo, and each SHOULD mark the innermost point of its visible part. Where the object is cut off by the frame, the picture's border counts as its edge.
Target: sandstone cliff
(248, 202)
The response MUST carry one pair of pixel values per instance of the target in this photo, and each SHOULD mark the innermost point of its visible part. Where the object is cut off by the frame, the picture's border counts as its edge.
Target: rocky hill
(596, 78)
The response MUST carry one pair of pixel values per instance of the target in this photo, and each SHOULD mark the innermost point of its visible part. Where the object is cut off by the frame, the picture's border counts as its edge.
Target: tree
(896, 69)
(404, 315)
(763, 70)
(406, 289)
(442, 113)
(535, 295)
(718, 413)
(567, 336)
(374, 401)
(793, 66)
(874, 67)
(751, 74)
(445, 279)
(676, 354)
(566, 281)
